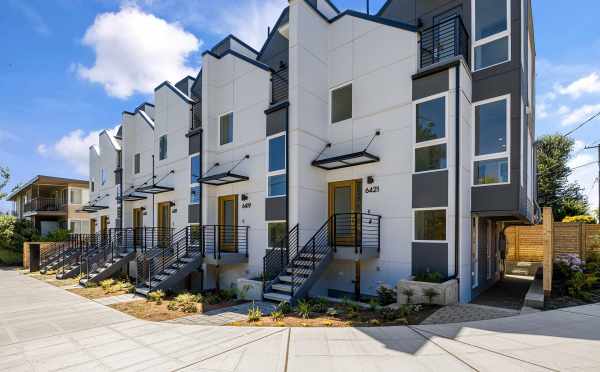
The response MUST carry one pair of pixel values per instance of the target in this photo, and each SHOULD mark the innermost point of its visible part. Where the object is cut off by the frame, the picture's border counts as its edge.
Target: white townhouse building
(352, 150)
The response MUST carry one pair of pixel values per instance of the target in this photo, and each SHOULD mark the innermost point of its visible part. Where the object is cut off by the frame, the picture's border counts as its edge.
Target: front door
(138, 218)
(344, 201)
(164, 223)
(104, 227)
(228, 223)
(92, 226)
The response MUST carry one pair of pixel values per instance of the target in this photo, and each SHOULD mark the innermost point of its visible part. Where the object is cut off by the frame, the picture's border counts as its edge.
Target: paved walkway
(225, 315)
(44, 328)
(467, 313)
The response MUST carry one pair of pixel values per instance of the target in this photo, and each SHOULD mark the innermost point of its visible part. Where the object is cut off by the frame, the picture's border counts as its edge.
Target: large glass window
(341, 103)
(195, 168)
(276, 233)
(137, 163)
(226, 129)
(277, 153)
(277, 185)
(430, 134)
(491, 140)
(430, 225)
(75, 196)
(163, 147)
(102, 176)
(491, 28)
(431, 120)
(195, 195)
(491, 171)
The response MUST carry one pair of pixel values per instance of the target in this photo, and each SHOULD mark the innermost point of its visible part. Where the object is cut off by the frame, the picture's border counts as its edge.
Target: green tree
(554, 189)
(13, 233)
(4, 177)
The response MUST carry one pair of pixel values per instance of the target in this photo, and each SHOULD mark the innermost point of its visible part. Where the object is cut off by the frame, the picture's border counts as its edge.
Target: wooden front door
(228, 223)
(345, 198)
(138, 222)
(164, 223)
(93, 226)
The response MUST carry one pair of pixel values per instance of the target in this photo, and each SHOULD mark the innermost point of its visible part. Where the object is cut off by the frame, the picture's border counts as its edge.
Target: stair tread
(277, 296)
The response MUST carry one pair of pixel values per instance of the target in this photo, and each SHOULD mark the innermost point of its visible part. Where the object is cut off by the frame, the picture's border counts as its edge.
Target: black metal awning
(133, 197)
(219, 177)
(92, 208)
(345, 159)
(153, 189)
(223, 179)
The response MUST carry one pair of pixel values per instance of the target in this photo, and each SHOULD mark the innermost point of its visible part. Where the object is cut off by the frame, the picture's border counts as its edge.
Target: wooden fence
(544, 243)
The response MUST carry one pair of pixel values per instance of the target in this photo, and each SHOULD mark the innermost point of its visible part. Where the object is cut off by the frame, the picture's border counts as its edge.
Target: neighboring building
(52, 203)
(398, 143)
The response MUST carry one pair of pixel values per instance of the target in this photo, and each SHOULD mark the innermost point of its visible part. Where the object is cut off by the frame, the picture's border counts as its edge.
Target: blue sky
(70, 67)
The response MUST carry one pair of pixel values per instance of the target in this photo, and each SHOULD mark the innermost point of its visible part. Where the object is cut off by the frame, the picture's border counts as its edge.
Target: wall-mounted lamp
(370, 180)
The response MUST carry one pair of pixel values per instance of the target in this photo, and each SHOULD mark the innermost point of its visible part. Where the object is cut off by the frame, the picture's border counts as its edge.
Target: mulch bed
(363, 318)
(152, 311)
(559, 298)
(94, 293)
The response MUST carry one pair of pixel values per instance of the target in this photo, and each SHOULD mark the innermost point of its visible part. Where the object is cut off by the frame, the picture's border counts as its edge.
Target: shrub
(91, 284)
(228, 294)
(212, 299)
(332, 311)
(106, 284)
(373, 304)
(60, 235)
(244, 291)
(580, 219)
(408, 292)
(13, 233)
(374, 322)
(430, 293)
(284, 307)
(579, 284)
(254, 313)
(303, 308)
(388, 314)
(386, 295)
(319, 305)
(156, 296)
(277, 316)
(429, 277)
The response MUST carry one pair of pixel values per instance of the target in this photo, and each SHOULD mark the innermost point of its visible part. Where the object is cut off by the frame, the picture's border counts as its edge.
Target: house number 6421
(371, 189)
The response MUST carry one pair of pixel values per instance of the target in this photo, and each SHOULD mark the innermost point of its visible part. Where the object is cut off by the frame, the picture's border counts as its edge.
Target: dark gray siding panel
(276, 121)
(432, 257)
(195, 143)
(194, 213)
(430, 85)
(430, 190)
(222, 47)
(275, 208)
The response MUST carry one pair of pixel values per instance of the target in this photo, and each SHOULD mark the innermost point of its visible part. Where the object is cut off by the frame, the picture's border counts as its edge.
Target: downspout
(457, 180)
(287, 168)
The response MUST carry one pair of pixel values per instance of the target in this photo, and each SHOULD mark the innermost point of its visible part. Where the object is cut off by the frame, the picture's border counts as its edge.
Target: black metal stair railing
(70, 254)
(444, 40)
(224, 239)
(50, 255)
(280, 84)
(106, 247)
(277, 259)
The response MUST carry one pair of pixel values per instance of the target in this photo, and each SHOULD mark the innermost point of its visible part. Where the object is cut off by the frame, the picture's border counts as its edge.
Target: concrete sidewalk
(44, 328)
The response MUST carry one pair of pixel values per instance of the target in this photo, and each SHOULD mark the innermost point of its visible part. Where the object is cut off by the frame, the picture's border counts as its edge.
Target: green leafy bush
(386, 295)
(580, 219)
(284, 307)
(579, 284)
(156, 296)
(408, 292)
(429, 277)
(60, 235)
(303, 308)
(106, 284)
(277, 316)
(13, 233)
(186, 302)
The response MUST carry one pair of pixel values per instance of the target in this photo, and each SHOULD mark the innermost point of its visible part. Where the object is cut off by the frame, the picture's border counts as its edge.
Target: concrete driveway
(44, 328)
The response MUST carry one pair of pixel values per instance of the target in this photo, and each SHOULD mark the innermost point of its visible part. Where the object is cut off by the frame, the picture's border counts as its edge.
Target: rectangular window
(430, 225)
(491, 171)
(491, 27)
(195, 168)
(431, 120)
(277, 153)
(75, 196)
(276, 233)
(341, 103)
(137, 163)
(103, 176)
(491, 141)
(277, 185)
(430, 134)
(93, 186)
(195, 195)
(163, 147)
(76, 227)
(226, 129)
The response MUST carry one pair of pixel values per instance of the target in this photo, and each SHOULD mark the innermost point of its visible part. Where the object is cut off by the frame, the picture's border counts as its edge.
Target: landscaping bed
(322, 313)
(106, 288)
(160, 306)
(575, 282)
(50, 278)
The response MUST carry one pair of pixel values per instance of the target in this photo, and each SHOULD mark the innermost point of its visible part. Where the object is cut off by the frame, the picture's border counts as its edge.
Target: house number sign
(371, 189)
(246, 205)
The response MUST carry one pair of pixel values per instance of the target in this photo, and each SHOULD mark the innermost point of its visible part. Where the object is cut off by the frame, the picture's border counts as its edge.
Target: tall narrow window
(163, 147)
(491, 140)
(276, 177)
(75, 196)
(341, 103)
(137, 163)
(102, 176)
(226, 128)
(491, 30)
(276, 232)
(195, 195)
(430, 225)
(195, 168)
(430, 134)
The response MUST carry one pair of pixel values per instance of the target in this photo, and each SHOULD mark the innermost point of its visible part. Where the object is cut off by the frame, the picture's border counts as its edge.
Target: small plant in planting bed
(254, 313)
(156, 296)
(303, 308)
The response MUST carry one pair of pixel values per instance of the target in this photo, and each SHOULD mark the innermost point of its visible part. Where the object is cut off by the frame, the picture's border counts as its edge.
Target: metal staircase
(173, 258)
(64, 257)
(290, 272)
(107, 254)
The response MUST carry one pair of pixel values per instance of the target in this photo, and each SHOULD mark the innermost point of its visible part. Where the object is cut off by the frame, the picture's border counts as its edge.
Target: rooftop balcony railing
(196, 115)
(42, 204)
(443, 41)
(280, 84)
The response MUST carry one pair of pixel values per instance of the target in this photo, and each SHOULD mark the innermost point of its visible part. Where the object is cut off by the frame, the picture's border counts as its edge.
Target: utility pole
(597, 147)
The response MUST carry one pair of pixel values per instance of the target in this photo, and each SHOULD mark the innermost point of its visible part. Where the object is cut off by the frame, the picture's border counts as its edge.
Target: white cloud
(136, 51)
(73, 148)
(580, 114)
(585, 85)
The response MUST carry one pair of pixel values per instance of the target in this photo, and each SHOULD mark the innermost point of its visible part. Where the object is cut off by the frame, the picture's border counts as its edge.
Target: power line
(584, 165)
(582, 124)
